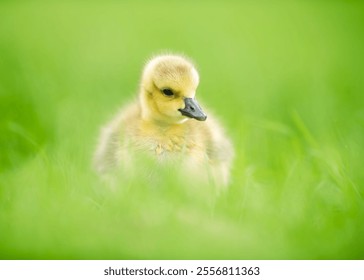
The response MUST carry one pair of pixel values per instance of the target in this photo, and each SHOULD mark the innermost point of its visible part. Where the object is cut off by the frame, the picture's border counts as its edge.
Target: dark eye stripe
(167, 92)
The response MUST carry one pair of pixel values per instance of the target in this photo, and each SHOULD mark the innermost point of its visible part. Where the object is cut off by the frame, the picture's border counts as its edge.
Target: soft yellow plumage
(167, 125)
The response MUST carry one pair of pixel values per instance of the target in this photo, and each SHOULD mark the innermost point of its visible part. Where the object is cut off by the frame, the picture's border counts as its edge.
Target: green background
(286, 78)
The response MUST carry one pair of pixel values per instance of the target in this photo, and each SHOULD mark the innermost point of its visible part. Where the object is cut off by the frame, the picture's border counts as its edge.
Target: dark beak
(193, 110)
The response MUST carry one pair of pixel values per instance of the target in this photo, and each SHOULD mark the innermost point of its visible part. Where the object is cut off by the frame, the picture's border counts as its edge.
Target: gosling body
(167, 126)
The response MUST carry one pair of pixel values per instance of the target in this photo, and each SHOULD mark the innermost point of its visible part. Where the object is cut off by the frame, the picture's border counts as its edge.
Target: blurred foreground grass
(285, 78)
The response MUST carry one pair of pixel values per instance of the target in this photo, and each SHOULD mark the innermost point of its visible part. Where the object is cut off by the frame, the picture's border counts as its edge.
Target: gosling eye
(167, 92)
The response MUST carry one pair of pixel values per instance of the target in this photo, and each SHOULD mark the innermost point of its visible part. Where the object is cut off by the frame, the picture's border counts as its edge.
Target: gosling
(166, 125)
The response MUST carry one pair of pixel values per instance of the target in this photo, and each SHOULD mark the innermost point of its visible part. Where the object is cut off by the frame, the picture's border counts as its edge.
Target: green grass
(286, 79)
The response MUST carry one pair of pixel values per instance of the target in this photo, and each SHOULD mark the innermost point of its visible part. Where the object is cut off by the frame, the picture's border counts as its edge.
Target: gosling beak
(193, 110)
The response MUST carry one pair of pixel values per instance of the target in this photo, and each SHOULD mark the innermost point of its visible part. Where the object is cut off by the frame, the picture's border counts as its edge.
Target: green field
(285, 78)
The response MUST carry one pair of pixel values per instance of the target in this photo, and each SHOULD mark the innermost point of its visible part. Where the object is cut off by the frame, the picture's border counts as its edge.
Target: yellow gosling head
(168, 90)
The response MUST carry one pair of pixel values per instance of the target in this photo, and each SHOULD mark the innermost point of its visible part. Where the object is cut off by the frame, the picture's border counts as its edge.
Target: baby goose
(168, 125)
